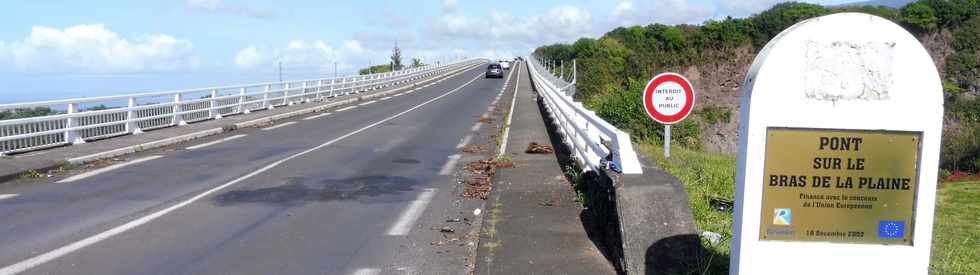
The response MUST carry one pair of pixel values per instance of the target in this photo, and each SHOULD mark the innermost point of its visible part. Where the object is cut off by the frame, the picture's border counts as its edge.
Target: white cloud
(450, 6)
(560, 23)
(742, 8)
(302, 56)
(95, 49)
(250, 57)
(219, 6)
(671, 12)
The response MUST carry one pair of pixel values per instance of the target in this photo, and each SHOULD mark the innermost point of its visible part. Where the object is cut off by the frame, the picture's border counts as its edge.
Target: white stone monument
(838, 153)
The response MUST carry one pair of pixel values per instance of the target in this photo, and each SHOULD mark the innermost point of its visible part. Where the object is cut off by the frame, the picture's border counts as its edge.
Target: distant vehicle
(505, 65)
(494, 70)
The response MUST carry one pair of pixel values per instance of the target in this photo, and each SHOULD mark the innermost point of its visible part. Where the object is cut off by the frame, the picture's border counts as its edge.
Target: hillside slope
(715, 55)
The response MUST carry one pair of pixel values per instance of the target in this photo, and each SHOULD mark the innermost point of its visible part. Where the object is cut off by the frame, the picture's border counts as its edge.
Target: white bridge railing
(594, 142)
(80, 119)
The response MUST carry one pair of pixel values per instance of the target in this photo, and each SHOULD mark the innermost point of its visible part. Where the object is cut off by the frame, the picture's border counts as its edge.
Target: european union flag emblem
(891, 229)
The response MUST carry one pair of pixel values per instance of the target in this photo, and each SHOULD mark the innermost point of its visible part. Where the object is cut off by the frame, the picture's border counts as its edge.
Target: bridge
(369, 174)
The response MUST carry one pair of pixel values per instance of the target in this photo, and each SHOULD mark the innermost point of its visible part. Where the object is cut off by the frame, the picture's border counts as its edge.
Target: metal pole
(667, 141)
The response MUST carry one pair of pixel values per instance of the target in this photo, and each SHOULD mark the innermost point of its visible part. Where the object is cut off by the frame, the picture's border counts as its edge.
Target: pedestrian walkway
(533, 223)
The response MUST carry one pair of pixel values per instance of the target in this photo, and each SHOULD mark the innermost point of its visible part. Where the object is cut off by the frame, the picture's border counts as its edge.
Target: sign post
(668, 98)
(837, 163)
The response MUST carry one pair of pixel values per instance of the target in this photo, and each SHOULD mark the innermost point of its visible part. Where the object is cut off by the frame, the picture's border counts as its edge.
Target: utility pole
(335, 69)
(280, 71)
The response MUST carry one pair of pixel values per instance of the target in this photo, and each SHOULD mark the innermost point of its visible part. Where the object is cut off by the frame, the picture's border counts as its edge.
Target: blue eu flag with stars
(891, 229)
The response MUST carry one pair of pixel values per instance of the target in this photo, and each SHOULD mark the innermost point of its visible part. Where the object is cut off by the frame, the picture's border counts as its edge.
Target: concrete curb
(225, 128)
(145, 146)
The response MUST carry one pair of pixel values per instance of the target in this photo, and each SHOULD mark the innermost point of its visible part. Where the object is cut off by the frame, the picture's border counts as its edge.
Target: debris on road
(477, 187)
(476, 212)
(472, 148)
(447, 230)
(535, 148)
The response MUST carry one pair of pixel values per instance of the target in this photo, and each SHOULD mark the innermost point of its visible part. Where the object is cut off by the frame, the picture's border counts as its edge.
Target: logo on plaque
(891, 229)
(782, 216)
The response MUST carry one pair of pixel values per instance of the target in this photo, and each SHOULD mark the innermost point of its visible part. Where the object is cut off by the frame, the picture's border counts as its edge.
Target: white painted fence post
(178, 119)
(131, 126)
(319, 88)
(265, 98)
(241, 102)
(71, 136)
(212, 112)
(285, 96)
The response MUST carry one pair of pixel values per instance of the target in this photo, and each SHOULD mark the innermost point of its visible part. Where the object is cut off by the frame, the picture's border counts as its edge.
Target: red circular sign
(668, 98)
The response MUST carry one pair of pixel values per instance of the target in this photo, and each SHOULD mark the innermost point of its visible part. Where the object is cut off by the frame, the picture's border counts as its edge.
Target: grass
(956, 234)
(705, 176)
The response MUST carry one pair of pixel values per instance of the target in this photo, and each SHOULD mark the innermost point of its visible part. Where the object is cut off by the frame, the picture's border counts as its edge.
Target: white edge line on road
(317, 116)
(510, 115)
(385, 98)
(278, 126)
(450, 164)
(367, 103)
(8, 196)
(75, 246)
(408, 217)
(199, 146)
(464, 141)
(346, 108)
(367, 271)
(105, 169)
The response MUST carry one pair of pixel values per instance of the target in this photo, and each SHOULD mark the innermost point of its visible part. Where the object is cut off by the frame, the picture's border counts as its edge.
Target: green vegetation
(396, 58)
(956, 234)
(709, 176)
(26, 112)
(613, 70)
(375, 69)
(706, 177)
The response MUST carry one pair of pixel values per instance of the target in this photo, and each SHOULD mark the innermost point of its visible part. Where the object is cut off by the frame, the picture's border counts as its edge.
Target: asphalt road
(352, 192)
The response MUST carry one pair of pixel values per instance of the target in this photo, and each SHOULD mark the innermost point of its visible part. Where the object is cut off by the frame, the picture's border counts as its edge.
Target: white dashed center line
(408, 217)
(199, 146)
(278, 126)
(106, 169)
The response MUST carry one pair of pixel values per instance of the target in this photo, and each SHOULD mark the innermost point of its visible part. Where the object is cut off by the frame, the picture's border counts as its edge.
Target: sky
(66, 48)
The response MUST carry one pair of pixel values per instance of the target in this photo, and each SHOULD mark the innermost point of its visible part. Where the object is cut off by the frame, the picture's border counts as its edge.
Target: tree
(781, 16)
(396, 58)
(417, 63)
(920, 16)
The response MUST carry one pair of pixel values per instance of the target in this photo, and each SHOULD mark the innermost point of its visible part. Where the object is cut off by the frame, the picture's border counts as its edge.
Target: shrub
(920, 16)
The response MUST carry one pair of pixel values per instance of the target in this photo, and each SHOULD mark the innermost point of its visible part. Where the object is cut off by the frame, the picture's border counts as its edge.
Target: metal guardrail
(86, 119)
(594, 142)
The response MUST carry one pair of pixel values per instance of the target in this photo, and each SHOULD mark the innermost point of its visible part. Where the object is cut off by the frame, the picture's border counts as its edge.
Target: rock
(712, 237)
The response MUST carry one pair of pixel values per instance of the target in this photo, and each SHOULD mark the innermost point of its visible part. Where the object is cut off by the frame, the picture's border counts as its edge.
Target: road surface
(359, 189)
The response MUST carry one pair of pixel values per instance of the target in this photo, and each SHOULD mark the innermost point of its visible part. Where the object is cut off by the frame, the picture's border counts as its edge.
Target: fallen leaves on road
(472, 148)
(535, 148)
(478, 186)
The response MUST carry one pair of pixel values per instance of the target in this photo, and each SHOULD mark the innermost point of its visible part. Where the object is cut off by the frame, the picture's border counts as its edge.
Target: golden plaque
(840, 186)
